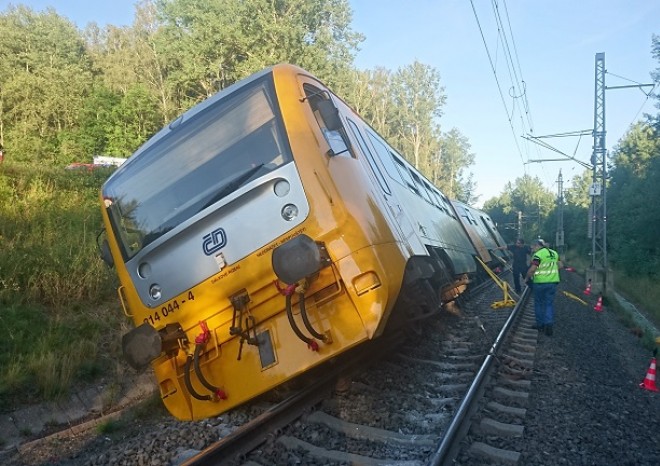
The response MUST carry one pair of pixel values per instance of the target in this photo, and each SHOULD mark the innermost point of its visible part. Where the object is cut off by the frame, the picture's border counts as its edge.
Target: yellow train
(267, 230)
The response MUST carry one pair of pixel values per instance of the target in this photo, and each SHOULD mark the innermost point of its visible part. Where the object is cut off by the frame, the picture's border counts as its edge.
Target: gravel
(587, 407)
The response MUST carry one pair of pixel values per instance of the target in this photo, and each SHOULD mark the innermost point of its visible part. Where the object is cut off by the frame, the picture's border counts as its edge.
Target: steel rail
(449, 446)
(258, 430)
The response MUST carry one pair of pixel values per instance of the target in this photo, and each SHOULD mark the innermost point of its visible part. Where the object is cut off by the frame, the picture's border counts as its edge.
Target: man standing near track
(544, 274)
(520, 252)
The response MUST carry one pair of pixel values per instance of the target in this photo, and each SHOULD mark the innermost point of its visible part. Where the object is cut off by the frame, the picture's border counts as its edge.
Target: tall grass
(643, 291)
(57, 328)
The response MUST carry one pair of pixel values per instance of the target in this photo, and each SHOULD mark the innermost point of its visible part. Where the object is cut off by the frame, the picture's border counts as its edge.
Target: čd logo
(214, 241)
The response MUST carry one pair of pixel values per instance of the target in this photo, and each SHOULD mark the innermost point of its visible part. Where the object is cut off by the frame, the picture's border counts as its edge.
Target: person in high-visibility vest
(543, 274)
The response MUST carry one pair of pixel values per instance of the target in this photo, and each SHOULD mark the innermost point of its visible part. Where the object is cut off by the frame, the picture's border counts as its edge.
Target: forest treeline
(67, 94)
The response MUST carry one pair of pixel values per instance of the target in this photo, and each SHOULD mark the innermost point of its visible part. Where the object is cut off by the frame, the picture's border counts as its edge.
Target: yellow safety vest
(548, 269)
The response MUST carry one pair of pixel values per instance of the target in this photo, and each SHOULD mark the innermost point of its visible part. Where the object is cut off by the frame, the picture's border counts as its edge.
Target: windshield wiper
(232, 186)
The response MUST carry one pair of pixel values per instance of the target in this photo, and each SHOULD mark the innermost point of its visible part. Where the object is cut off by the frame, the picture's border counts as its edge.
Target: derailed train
(270, 229)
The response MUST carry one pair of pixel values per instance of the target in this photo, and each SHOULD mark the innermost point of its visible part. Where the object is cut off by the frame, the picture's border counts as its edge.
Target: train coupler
(241, 318)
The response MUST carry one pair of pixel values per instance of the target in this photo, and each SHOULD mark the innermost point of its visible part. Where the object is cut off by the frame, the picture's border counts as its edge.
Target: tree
(578, 193)
(418, 102)
(212, 44)
(450, 164)
(370, 94)
(528, 196)
(46, 74)
(633, 216)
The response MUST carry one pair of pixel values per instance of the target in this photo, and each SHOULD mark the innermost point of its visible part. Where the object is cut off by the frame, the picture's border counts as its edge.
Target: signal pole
(559, 237)
(600, 274)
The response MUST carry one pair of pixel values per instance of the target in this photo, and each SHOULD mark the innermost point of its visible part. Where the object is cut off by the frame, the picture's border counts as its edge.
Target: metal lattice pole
(599, 164)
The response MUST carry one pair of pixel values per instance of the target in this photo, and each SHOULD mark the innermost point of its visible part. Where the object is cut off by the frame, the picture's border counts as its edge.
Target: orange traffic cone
(588, 290)
(649, 380)
(599, 304)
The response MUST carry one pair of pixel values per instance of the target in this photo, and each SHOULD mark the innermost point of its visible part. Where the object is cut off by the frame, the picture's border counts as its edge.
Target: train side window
(385, 157)
(405, 174)
(328, 119)
(419, 184)
(431, 194)
(370, 157)
(446, 202)
(439, 203)
(490, 226)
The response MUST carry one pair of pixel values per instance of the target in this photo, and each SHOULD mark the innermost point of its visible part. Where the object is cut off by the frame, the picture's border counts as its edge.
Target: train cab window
(321, 103)
(214, 152)
(370, 157)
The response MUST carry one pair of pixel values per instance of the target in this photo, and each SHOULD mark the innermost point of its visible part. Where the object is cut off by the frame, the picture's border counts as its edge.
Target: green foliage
(44, 353)
(522, 209)
(52, 284)
(49, 219)
(111, 426)
(212, 44)
(644, 291)
(454, 157)
(634, 188)
(45, 75)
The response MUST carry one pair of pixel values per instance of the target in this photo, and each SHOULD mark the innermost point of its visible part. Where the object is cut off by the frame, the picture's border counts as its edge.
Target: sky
(546, 88)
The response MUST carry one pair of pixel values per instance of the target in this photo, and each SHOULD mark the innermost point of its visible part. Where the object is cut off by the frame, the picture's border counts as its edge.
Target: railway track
(414, 405)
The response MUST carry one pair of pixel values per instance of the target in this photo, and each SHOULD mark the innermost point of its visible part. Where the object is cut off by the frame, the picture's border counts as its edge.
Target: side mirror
(106, 255)
(333, 131)
(104, 250)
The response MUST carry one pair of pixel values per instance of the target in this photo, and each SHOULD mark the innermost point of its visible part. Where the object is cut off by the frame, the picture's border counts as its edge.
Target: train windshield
(211, 154)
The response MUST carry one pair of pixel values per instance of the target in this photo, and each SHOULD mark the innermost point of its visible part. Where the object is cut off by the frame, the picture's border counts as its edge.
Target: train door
(395, 212)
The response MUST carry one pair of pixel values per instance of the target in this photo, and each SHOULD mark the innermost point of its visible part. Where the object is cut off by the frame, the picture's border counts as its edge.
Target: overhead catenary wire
(497, 81)
(518, 91)
(640, 86)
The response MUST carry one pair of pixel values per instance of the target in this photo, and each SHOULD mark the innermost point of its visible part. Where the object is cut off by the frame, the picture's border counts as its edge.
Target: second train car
(267, 230)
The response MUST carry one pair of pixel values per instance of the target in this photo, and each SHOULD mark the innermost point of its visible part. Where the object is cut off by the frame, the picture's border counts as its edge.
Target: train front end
(240, 263)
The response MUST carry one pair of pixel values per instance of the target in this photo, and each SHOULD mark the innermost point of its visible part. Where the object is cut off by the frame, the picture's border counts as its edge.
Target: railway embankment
(78, 412)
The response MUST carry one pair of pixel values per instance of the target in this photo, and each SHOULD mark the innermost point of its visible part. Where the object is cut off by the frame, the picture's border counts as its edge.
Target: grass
(148, 409)
(58, 329)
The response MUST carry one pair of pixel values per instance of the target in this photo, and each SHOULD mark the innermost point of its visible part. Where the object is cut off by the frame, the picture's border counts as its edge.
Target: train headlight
(282, 188)
(155, 291)
(144, 270)
(289, 212)
(299, 258)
